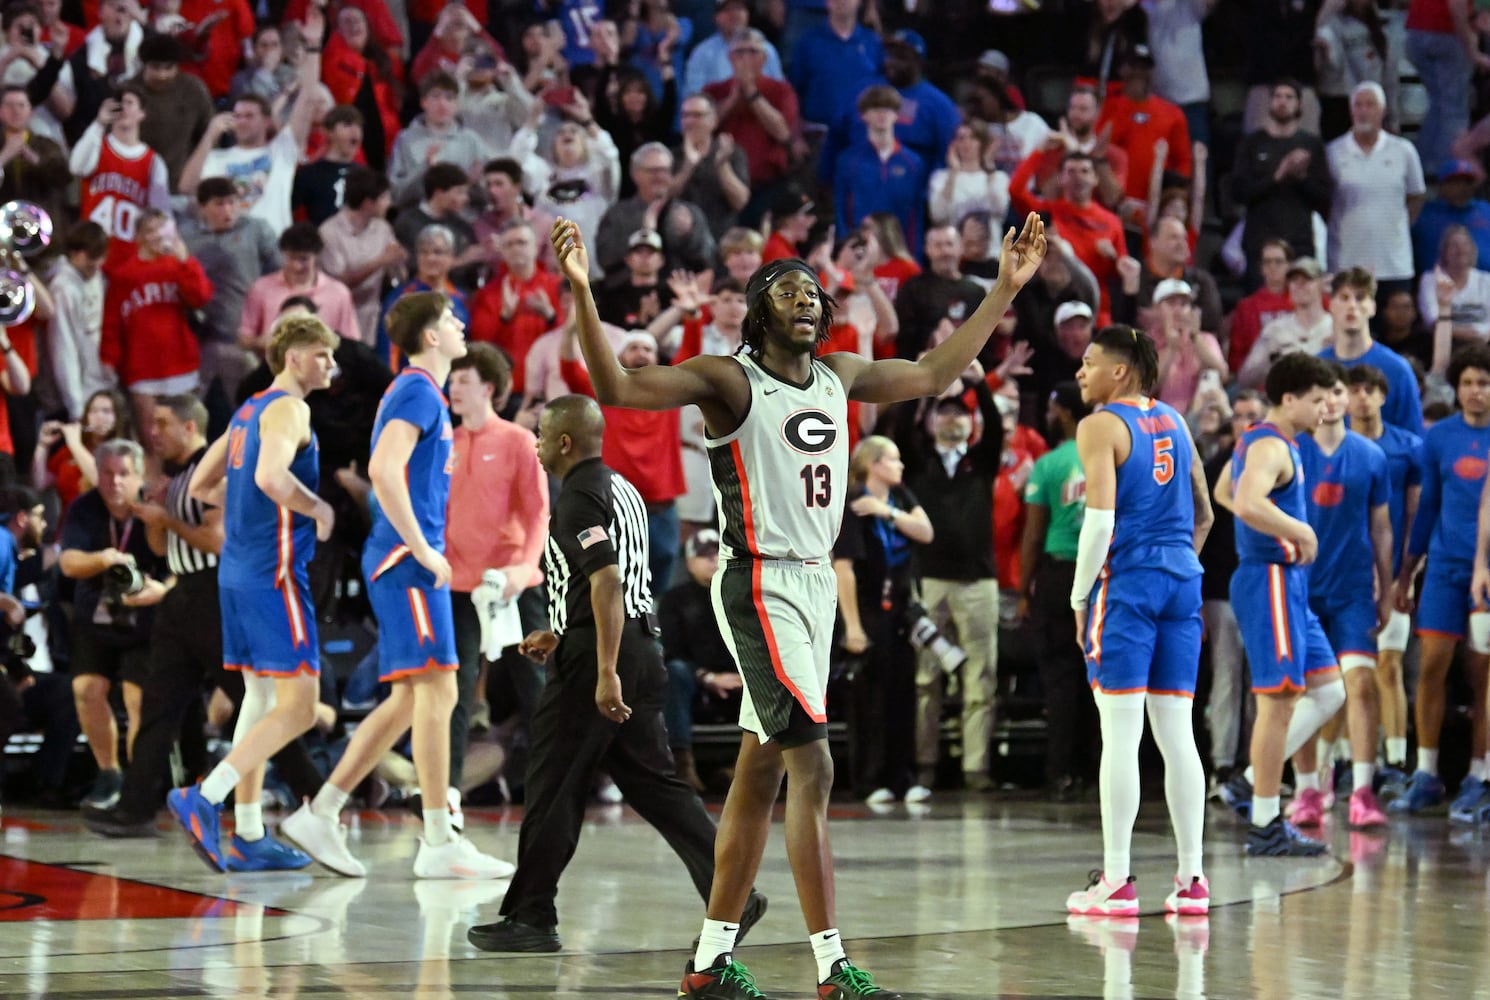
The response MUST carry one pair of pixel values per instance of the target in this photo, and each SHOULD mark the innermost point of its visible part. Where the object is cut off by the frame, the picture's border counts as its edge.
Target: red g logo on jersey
(809, 432)
(1328, 494)
(1470, 468)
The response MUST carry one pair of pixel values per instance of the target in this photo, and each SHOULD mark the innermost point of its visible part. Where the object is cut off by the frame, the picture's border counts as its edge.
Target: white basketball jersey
(780, 478)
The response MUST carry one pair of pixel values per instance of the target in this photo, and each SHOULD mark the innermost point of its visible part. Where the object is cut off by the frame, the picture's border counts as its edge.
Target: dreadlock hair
(758, 310)
(1135, 349)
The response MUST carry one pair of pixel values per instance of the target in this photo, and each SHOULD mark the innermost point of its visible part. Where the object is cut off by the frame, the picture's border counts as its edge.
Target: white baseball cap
(1169, 288)
(1070, 310)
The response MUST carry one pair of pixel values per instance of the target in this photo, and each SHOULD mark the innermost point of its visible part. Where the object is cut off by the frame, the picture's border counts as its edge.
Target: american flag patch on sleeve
(592, 536)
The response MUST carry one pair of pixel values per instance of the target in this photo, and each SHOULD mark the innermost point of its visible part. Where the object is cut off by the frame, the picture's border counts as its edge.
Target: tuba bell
(25, 231)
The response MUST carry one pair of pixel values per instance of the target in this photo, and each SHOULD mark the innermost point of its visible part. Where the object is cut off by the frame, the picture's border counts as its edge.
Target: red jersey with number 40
(117, 193)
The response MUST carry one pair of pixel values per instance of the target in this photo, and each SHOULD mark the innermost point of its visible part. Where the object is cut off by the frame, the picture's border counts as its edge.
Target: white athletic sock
(219, 783)
(1428, 760)
(1361, 775)
(716, 939)
(1121, 717)
(249, 821)
(827, 948)
(1184, 778)
(1397, 750)
(329, 802)
(437, 830)
(1313, 710)
(1324, 752)
(1264, 811)
(1307, 782)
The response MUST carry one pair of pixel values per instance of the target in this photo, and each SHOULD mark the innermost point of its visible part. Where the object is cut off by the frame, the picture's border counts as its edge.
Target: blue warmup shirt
(1343, 489)
(1454, 456)
(1403, 407)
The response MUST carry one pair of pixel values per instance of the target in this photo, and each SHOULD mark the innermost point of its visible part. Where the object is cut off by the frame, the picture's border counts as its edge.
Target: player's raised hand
(569, 250)
(1021, 255)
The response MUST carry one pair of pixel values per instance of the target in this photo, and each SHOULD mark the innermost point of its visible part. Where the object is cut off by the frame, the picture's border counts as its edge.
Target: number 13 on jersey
(817, 485)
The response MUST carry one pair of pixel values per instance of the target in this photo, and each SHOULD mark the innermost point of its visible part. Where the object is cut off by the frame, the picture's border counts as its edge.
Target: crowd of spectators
(211, 166)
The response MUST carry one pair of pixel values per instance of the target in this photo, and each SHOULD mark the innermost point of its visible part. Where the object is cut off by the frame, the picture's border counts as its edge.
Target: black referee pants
(570, 741)
(185, 659)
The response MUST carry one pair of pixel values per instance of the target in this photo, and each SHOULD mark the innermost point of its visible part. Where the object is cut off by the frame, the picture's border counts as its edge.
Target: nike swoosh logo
(829, 937)
(733, 929)
(769, 391)
(487, 458)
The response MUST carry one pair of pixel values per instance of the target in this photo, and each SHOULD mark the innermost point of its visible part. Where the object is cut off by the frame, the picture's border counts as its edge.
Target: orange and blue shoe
(264, 855)
(199, 818)
(1102, 898)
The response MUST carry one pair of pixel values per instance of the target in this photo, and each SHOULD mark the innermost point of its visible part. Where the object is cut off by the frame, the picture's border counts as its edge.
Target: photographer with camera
(105, 548)
(30, 701)
(875, 564)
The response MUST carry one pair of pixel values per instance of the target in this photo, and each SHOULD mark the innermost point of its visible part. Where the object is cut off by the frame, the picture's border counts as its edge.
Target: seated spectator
(64, 459)
(358, 70)
(970, 181)
(687, 242)
(320, 185)
(1169, 251)
(1351, 47)
(516, 309)
(1139, 119)
(1308, 328)
(178, 106)
(878, 174)
(638, 296)
(266, 73)
(741, 251)
(1457, 260)
(577, 178)
(1378, 188)
(1454, 204)
(361, 250)
(147, 337)
(120, 176)
(634, 116)
(76, 329)
(703, 682)
(709, 61)
(1094, 234)
(263, 169)
(937, 301)
(1282, 177)
(110, 638)
(446, 193)
(300, 246)
(1186, 353)
(760, 113)
(1263, 306)
(435, 135)
(434, 256)
(493, 101)
(710, 170)
(235, 250)
(793, 214)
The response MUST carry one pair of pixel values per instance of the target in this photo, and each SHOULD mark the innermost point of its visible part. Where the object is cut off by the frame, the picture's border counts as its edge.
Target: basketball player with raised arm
(1136, 595)
(408, 585)
(775, 417)
(264, 473)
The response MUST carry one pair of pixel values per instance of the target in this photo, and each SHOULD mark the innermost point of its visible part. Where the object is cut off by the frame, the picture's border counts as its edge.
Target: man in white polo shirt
(1379, 191)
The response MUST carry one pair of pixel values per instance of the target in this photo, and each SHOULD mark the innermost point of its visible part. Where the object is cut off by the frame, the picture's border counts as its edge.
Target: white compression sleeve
(1091, 553)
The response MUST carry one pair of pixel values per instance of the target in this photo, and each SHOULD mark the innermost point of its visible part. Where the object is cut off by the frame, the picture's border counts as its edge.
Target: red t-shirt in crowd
(145, 331)
(778, 247)
(767, 159)
(1250, 316)
(224, 50)
(1136, 127)
(644, 446)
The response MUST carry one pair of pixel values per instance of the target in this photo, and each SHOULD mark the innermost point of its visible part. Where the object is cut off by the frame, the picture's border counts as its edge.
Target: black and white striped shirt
(598, 520)
(180, 555)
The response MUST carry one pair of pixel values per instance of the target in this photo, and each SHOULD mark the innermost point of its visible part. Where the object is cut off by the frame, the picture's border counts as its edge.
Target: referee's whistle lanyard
(897, 549)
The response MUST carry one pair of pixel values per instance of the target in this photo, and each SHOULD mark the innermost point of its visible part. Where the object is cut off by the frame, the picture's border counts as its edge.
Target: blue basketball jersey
(1251, 544)
(1404, 452)
(1155, 514)
(264, 544)
(1454, 463)
(1343, 489)
(414, 398)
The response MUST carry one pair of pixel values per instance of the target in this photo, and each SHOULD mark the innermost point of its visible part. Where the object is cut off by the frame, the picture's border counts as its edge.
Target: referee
(603, 702)
(186, 638)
